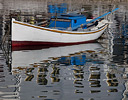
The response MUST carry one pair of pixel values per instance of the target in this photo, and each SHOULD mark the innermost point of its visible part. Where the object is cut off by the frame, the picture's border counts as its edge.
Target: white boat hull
(27, 34)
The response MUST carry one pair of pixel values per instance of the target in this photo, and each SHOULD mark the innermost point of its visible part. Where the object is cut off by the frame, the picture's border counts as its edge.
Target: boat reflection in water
(77, 72)
(24, 56)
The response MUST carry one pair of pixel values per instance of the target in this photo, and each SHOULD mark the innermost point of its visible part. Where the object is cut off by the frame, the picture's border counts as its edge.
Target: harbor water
(91, 71)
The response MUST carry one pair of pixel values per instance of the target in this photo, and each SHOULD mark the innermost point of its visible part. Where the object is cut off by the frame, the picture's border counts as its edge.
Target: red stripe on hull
(31, 43)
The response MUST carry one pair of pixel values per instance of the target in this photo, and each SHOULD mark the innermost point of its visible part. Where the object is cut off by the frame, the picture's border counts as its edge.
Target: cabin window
(75, 21)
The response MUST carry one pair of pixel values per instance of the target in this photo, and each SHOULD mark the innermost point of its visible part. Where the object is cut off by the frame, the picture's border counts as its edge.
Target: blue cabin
(60, 19)
(67, 20)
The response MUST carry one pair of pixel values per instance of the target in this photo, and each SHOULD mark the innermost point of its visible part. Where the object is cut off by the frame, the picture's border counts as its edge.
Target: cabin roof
(70, 16)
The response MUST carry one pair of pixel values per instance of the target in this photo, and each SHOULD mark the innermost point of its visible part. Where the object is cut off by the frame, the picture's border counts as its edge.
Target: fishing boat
(63, 29)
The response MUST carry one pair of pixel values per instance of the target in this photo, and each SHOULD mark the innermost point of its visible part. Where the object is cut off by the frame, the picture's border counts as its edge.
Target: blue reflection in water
(78, 60)
(73, 60)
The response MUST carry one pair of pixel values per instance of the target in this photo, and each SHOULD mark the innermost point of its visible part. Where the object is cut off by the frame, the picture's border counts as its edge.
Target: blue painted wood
(84, 24)
(101, 16)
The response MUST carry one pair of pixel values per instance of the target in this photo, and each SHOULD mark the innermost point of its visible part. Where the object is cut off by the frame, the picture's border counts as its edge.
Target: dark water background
(99, 71)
